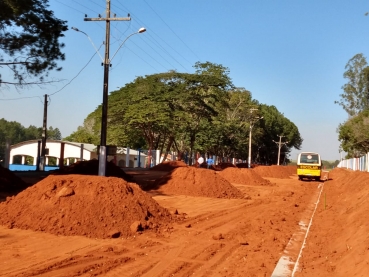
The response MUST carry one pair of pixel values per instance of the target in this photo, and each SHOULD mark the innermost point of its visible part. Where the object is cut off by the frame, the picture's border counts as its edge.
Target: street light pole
(250, 138)
(106, 62)
(249, 157)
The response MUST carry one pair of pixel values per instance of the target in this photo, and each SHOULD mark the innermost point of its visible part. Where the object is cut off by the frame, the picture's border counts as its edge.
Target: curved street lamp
(141, 30)
(104, 115)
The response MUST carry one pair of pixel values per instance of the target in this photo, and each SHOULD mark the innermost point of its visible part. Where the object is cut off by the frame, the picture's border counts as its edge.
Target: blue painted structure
(23, 167)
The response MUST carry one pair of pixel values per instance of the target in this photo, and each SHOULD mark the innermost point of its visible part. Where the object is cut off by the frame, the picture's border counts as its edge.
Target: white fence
(360, 164)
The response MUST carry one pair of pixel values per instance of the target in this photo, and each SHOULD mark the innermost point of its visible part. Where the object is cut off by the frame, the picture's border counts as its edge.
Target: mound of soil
(91, 167)
(169, 166)
(91, 206)
(276, 171)
(9, 181)
(343, 218)
(244, 176)
(197, 182)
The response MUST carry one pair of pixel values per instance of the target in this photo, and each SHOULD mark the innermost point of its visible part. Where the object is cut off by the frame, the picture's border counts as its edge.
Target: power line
(77, 73)
(70, 7)
(20, 98)
(85, 7)
(172, 30)
(153, 39)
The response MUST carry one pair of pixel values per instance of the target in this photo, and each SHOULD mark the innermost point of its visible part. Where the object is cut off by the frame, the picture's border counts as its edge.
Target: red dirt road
(241, 230)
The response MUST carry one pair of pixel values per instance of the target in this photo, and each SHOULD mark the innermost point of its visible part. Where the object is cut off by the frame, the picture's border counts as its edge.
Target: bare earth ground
(234, 222)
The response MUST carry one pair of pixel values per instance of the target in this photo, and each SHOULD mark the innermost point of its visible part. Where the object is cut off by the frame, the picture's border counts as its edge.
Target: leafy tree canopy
(200, 112)
(29, 40)
(355, 96)
(354, 135)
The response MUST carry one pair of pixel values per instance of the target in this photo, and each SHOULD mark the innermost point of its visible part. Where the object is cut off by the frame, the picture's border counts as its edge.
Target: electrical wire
(153, 39)
(69, 6)
(85, 7)
(20, 98)
(77, 73)
(171, 29)
(148, 54)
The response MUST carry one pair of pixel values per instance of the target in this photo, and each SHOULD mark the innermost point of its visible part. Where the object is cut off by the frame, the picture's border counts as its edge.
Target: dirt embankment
(338, 243)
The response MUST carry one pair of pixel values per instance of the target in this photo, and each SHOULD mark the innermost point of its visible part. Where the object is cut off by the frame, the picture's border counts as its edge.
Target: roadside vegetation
(354, 132)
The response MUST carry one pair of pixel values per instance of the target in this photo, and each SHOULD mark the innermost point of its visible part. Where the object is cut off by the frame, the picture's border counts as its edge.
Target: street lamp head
(142, 30)
(75, 29)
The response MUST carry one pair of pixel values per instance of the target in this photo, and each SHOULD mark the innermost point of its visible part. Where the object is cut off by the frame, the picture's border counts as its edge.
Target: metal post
(81, 152)
(249, 158)
(104, 116)
(44, 136)
(38, 155)
(61, 159)
(280, 144)
(279, 149)
(7, 153)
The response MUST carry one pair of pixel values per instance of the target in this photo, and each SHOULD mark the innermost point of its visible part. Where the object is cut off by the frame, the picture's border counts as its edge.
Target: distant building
(25, 155)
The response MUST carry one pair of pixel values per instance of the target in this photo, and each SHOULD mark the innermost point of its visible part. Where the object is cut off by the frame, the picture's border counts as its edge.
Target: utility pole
(44, 136)
(106, 63)
(253, 120)
(280, 144)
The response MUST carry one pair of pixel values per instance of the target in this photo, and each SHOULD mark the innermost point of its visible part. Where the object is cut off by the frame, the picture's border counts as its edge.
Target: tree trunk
(179, 151)
(191, 148)
(169, 145)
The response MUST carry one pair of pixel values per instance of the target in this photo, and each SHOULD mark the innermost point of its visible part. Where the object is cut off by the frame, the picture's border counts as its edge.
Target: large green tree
(355, 96)
(29, 41)
(188, 113)
(354, 135)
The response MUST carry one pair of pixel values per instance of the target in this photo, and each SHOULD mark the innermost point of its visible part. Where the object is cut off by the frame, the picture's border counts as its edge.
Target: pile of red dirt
(276, 171)
(244, 176)
(197, 182)
(169, 166)
(91, 167)
(91, 206)
(9, 181)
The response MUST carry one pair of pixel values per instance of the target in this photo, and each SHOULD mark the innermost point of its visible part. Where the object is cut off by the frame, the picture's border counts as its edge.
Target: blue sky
(290, 54)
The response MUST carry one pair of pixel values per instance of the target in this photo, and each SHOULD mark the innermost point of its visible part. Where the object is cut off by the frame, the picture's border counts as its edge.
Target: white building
(71, 152)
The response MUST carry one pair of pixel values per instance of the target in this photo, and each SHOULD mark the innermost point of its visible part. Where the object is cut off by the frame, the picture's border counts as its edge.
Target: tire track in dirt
(185, 258)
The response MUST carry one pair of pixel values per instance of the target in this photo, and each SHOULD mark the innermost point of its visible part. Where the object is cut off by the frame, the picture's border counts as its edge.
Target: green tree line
(190, 113)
